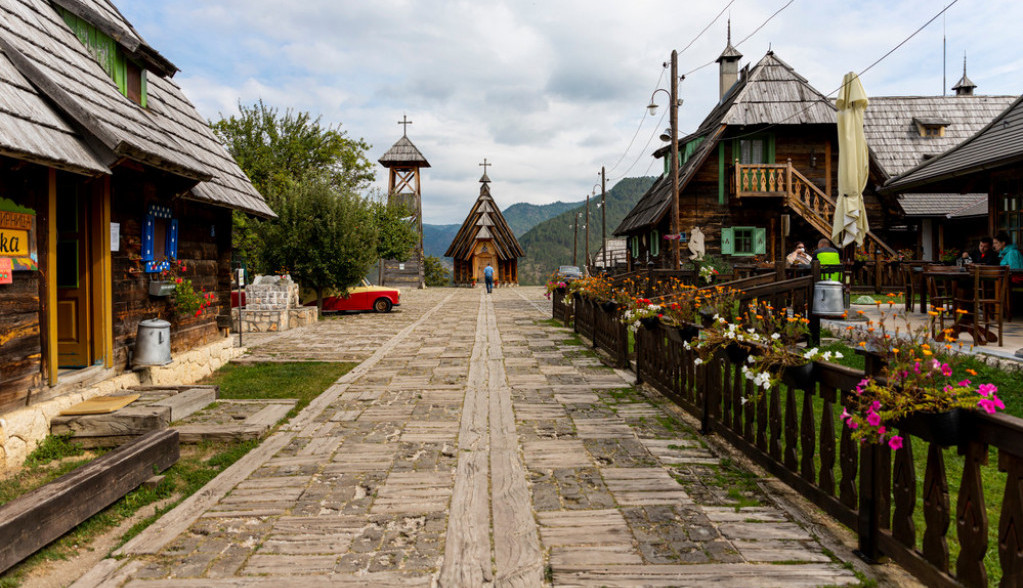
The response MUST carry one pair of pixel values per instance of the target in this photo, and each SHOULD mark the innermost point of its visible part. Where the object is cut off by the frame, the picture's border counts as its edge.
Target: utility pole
(603, 215)
(575, 240)
(674, 161)
(586, 239)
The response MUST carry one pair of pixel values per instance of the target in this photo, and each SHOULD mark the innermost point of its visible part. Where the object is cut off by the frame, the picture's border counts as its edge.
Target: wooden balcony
(762, 180)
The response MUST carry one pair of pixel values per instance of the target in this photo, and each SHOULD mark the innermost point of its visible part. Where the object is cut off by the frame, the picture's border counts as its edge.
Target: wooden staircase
(801, 196)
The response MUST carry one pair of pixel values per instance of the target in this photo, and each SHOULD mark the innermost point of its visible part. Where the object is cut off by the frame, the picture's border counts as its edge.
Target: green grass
(300, 380)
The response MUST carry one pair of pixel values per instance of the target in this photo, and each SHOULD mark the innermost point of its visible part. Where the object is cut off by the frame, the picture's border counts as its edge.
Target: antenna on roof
(944, 45)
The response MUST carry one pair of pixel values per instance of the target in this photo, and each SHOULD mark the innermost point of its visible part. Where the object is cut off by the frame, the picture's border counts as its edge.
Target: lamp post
(673, 97)
(586, 237)
(603, 215)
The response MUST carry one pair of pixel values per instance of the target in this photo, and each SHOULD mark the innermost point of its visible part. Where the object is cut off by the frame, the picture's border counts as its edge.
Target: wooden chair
(988, 304)
(941, 297)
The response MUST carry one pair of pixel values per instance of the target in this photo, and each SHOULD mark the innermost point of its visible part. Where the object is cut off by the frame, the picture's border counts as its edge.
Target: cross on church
(405, 122)
(484, 165)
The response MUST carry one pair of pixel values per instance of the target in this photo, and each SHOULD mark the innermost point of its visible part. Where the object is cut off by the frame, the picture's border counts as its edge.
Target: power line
(710, 24)
(746, 38)
(638, 127)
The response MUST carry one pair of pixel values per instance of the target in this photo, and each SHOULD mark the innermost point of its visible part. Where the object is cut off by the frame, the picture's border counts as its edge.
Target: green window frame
(759, 146)
(635, 247)
(743, 241)
(111, 58)
(655, 243)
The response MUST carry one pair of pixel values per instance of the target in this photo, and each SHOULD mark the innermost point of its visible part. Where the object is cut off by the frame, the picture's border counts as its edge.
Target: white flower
(751, 359)
(775, 336)
(697, 361)
(716, 316)
(838, 355)
(744, 400)
(686, 345)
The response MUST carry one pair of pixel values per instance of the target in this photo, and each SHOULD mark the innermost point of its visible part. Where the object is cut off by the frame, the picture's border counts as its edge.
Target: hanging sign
(6, 276)
(17, 237)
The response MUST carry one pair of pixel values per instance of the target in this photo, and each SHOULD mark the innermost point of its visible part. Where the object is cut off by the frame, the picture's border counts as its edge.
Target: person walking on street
(488, 275)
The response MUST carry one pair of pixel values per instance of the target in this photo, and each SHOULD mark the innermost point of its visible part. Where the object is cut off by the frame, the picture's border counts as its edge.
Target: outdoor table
(963, 279)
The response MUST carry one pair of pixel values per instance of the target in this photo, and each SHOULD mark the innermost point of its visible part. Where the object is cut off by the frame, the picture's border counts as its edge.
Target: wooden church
(485, 238)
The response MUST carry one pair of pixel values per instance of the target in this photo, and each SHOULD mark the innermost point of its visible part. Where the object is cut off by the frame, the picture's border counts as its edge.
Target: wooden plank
(172, 524)
(269, 415)
(130, 420)
(239, 432)
(188, 401)
(33, 520)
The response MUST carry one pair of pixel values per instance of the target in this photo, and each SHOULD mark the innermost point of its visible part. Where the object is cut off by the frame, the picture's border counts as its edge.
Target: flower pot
(609, 305)
(161, 287)
(686, 332)
(800, 376)
(736, 353)
(944, 428)
(706, 317)
(561, 290)
(650, 322)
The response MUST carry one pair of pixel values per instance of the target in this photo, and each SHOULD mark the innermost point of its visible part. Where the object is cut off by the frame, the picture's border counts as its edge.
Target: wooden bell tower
(404, 163)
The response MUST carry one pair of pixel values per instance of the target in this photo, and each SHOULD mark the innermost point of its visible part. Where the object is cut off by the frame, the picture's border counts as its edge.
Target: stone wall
(21, 430)
(272, 321)
(271, 293)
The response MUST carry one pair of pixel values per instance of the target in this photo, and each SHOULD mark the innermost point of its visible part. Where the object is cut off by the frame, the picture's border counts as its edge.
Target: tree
(396, 236)
(323, 237)
(436, 274)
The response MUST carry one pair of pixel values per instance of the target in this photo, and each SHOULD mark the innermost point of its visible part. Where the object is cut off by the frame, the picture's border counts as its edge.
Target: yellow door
(73, 302)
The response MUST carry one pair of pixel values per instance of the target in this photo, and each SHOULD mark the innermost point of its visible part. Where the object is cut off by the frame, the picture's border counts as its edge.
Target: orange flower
(863, 343)
(971, 372)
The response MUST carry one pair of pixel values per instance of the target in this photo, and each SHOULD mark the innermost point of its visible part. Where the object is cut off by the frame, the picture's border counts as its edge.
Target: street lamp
(673, 104)
(586, 238)
(575, 240)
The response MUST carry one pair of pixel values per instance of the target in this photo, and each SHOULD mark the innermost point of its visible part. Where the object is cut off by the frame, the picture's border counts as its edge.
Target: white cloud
(547, 91)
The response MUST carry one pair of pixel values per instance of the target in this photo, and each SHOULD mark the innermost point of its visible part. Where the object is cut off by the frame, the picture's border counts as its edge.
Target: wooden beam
(50, 275)
(31, 521)
(827, 169)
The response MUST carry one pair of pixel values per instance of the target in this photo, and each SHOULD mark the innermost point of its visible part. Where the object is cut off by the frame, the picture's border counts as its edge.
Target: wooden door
(73, 299)
(481, 265)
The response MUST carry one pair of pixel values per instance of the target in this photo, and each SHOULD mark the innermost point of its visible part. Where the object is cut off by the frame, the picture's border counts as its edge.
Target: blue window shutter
(172, 239)
(655, 242)
(727, 241)
(759, 241)
(148, 227)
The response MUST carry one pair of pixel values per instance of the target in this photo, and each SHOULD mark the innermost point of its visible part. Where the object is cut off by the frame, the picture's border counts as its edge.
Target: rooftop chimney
(728, 65)
(964, 87)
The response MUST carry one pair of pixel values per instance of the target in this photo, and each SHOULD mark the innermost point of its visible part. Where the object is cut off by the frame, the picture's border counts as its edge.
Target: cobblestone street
(474, 445)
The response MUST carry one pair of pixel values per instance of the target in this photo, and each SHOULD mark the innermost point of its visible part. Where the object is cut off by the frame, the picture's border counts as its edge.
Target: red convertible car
(363, 297)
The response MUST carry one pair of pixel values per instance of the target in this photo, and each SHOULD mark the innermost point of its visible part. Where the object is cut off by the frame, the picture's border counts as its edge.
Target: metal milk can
(828, 299)
(152, 344)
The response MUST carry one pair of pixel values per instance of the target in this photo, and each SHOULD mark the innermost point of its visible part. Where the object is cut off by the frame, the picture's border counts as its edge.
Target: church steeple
(964, 87)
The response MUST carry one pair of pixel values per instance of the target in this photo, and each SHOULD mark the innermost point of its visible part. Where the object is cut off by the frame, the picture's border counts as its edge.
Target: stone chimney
(964, 87)
(728, 65)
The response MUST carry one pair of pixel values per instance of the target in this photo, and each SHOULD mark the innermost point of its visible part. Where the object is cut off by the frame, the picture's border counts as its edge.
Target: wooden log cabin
(485, 238)
(760, 173)
(107, 173)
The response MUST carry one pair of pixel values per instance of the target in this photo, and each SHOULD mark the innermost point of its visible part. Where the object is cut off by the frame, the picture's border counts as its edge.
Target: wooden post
(815, 320)
(50, 279)
(871, 484)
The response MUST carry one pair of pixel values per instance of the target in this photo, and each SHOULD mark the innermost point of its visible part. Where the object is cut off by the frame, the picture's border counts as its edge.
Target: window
(754, 149)
(159, 238)
(655, 243)
(635, 247)
(128, 75)
(743, 241)
(1009, 208)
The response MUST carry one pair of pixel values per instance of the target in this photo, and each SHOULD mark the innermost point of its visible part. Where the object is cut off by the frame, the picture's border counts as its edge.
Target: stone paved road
(474, 445)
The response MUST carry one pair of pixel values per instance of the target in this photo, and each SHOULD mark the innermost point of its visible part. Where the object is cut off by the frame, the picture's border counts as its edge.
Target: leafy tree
(396, 237)
(323, 237)
(436, 274)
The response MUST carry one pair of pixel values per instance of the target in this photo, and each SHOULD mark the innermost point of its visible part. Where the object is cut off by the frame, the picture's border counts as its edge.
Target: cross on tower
(405, 122)
(484, 165)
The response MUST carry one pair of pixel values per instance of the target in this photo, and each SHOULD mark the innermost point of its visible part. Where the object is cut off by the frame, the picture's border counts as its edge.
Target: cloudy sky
(547, 91)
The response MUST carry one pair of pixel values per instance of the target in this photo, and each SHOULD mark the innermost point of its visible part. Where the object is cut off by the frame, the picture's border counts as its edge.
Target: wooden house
(485, 238)
(758, 174)
(107, 173)
(905, 131)
(989, 162)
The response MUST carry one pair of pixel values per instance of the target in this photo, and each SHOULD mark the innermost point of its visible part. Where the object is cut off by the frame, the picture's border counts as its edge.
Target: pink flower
(845, 414)
(895, 442)
(873, 419)
(987, 389)
(881, 431)
(946, 370)
(964, 383)
(935, 364)
(853, 424)
(916, 367)
(876, 405)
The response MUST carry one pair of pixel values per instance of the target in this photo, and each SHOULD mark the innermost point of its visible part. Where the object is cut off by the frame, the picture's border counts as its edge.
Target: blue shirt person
(488, 274)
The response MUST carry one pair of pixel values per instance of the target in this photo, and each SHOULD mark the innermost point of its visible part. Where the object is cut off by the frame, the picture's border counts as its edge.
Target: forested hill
(549, 244)
(524, 216)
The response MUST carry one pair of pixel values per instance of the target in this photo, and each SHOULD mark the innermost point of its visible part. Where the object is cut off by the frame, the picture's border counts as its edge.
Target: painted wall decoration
(18, 236)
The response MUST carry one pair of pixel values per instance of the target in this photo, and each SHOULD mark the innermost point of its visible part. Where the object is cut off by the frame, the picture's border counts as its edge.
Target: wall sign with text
(18, 237)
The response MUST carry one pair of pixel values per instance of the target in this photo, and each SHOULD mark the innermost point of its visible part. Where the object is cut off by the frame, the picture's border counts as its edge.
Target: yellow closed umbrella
(850, 222)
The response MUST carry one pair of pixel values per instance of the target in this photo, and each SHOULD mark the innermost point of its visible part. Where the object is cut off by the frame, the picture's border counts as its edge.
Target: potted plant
(921, 389)
(642, 313)
(779, 359)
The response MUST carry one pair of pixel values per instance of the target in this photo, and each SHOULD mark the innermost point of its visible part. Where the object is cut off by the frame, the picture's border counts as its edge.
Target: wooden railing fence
(794, 431)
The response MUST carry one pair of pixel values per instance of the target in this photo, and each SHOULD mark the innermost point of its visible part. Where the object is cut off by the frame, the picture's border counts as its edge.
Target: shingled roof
(769, 93)
(889, 125)
(998, 144)
(485, 221)
(168, 135)
(403, 152)
(939, 204)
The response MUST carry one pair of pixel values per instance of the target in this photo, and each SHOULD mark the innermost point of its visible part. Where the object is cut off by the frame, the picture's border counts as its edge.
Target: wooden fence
(795, 432)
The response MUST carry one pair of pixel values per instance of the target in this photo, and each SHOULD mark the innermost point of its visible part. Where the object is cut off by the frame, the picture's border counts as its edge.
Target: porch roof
(948, 205)
(168, 135)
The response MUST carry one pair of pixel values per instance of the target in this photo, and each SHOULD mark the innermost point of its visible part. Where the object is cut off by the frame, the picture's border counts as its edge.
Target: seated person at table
(984, 254)
(1009, 255)
(799, 257)
(828, 255)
